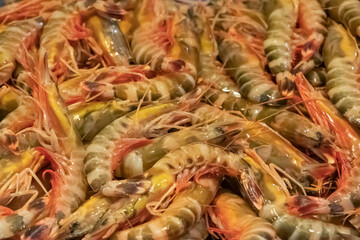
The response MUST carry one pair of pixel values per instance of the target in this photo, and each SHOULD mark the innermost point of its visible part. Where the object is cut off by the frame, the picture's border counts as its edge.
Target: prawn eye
(37, 204)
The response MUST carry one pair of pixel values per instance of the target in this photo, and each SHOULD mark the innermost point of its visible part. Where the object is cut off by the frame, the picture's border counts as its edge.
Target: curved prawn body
(341, 59)
(164, 39)
(92, 117)
(143, 158)
(346, 12)
(153, 38)
(272, 148)
(163, 87)
(247, 70)
(84, 219)
(17, 36)
(272, 208)
(24, 116)
(9, 101)
(210, 69)
(309, 36)
(131, 208)
(62, 26)
(116, 139)
(107, 33)
(175, 169)
(66, 154)
(236, 219)
(100, 84)
(297, 129)
(183, 213)
(281, 17)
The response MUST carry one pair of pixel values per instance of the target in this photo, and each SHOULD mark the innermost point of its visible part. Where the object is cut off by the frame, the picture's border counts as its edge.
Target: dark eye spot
(170, 166)
(37, 204)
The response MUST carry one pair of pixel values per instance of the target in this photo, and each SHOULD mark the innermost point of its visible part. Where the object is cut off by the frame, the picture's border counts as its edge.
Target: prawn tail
(127, 146)
(301, 205)
(286, 83)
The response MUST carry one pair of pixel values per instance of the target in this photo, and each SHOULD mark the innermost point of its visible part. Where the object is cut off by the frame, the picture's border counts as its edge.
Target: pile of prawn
(178, 119)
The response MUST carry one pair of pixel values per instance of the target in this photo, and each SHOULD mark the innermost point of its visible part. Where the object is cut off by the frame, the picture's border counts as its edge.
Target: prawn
(17, 36)
(176, 168)
(143, 158)
(274, 194)
(107, 33)
(281, 16)
(269, 145)
(344, 199)
(247, 70)
(236, 220)
(297, 129)
(92, 117)
(64, 25)
(66, 154)
(340, 53)
(127, 132)
(184, 211)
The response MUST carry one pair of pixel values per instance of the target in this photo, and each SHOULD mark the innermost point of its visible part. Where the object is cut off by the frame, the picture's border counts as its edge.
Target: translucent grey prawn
(163, 87)
(309, 36)
(164, 38)
(281, 16)
(297, 129)
(63, 25)
(247, 70)
(341, 58)
(92, 117)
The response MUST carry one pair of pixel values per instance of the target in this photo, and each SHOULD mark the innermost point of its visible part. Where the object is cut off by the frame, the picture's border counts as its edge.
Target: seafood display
(180, 120)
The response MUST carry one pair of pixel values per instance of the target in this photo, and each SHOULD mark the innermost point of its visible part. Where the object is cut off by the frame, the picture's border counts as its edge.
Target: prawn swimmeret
(179, 120)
